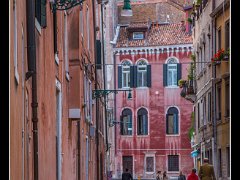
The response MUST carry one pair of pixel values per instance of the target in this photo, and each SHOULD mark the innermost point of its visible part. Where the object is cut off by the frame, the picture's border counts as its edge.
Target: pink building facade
(153, 131)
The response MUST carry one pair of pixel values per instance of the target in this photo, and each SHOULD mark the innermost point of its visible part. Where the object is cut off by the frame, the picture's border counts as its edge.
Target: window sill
(56, 59)
(126, 135)
(142, 87)
(38, 26)
(16, 75)
(67, 76)
(145, 135)
(168, 135)
(172, 87)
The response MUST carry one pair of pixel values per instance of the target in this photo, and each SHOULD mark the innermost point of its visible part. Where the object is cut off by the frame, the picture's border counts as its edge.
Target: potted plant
(190, 20)
(220, 55)
(226, 54)
(181, 82)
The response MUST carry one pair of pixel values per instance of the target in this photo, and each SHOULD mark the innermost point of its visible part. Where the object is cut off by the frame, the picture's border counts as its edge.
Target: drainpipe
(115, 102)
(78, 145)
(214, 152)
(97, 101)
(31, 52)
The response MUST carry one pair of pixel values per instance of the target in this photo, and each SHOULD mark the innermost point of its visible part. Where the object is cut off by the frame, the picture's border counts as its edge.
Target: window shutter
(119, 77)
(99, 54)
(175, 119)
(38, 10)
(164, 74)
(135, 76)
(131, 76)
(179, 71)
(145, 124)
(138, 125)
(166, 123)
(43, 14)
(149, 81)
(130, 124)
(121, 125)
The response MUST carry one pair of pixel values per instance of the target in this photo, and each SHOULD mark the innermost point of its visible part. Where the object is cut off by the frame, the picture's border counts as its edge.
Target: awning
(194, 153)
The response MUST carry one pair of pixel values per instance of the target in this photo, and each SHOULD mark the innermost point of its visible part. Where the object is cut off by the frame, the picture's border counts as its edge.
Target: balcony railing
(188, 91)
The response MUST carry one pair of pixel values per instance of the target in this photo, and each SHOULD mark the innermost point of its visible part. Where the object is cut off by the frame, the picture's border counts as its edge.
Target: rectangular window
(219, 101)
(87, 96)
(126, 125)
(149, 164)
(198, 115)
(126, 76)
(228, 161)
(173, 163)
(138, 35)
(88, 30)
(66, 47)
(204, 110)
(15, 43)
(142, 76)
(227, 102)
(201, 113)
(142, 125)
(55, 32)
(227, 35)
(172, 124)
(219, 39)
(209, 107)
(81, 21)
(219, 163)
(172, 74)
(210, 156)
(40, 12)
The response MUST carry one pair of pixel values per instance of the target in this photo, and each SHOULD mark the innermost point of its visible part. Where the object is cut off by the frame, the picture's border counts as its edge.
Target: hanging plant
(181, 82)
(190, 20)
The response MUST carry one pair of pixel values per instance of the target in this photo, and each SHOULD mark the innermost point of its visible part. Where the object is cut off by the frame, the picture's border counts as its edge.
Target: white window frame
(154, 163)
(81, 24)
(142, 73)
(126, 73)
(66, 46)
(138, 35)
(88, 98)
(88, 30)
(16, 74)
(179, 119)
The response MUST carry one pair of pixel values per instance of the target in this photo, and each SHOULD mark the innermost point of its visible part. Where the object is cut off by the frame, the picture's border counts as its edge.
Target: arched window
(172, 121)
(126, 74)
(171, 72)
(142, 122)
(126, 122)
(141, 73)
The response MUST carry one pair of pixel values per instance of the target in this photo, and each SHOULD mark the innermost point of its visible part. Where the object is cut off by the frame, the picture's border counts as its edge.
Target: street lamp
(64, 4)
(127, 10)
(98, 93)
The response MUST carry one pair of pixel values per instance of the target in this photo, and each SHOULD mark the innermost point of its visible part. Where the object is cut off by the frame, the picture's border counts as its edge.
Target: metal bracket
(65, 4)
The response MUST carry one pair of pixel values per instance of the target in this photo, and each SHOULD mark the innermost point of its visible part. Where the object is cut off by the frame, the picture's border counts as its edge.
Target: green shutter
(119, 77)
(179, 71)
(135, 76)
(164, 74)
(43, 14)
(175, 120)
(166, 123)
(121, 125)
(131, 76)
(149, 81)
(99, 54)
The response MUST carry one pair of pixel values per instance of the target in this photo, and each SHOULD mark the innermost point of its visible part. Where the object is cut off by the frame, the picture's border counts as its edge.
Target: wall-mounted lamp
(126, 10)
(64, 4)
(98, 93)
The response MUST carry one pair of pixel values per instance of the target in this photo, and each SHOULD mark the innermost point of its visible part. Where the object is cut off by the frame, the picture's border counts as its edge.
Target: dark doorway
(128, 163)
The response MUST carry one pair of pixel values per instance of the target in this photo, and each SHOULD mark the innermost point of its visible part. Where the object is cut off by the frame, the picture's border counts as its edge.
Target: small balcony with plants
(188, 90)
(221, 56)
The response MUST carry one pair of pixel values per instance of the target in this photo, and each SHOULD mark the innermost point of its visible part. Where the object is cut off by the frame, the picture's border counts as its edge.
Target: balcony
(188, 90)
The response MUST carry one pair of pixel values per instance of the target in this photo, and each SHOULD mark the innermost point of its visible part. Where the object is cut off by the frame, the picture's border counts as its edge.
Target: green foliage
(181, 82)
(191, 130)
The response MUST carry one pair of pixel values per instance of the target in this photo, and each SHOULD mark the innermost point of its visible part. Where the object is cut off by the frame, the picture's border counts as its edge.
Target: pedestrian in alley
(193, 175)
(165, 177)
(181, 176)
(126, 175)
(159, 176)
(206, 171)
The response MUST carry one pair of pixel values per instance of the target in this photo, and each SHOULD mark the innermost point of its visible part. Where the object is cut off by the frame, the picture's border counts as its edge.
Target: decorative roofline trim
(152, 49)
